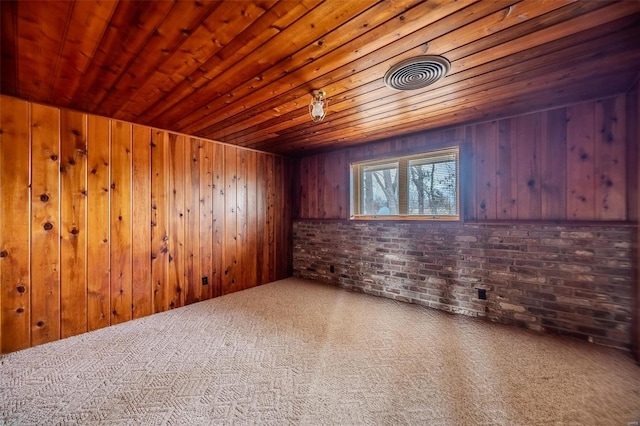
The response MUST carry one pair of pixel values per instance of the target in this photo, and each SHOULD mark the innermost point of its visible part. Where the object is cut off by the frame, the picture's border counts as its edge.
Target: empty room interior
(320, 212)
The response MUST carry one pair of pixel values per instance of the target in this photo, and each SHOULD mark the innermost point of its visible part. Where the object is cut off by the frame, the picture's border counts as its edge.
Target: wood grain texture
(581, 161)
(528, 140)
(553, 156)
(98, 219)
(536, 166)
(230, 239)
(192, 220)
(177, 274)
(141, 223)
(94, 221)
(73, 223)
(506, 171)
(206, 218)
(486, 141)
(251, 250)
(610, 173)
(45, 223)
(241, 218)
(217, 235)
(254, 63)
(15, 283)
(121, 212)
(160, 220)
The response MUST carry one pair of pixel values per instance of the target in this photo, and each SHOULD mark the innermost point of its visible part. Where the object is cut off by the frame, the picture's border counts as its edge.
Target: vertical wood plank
(206, 218)
(529, 131)
(121, 256)
(280, 226)
(304, 182)
(610, 141)
(506, 182)
(321, 182)
(218, 217)
(159, 220)
(312, 194)
(287, 238)
(141, 222)
(486, 145)
(581, 162)
(98, 244)
(177, 273)
(229, 245)
(192, 220)
(251, 263)
(468, 182)
(341, 188)
(15, 288)
(45, 234)
(633, 159)
(241, 218)
(553, 160)
(262, 239)
(73, 229)
(271, 220)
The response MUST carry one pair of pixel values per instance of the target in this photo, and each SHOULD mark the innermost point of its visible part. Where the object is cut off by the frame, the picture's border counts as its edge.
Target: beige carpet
(296, 352)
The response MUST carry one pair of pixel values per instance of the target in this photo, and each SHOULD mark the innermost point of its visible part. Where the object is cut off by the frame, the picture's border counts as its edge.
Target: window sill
(407, 218)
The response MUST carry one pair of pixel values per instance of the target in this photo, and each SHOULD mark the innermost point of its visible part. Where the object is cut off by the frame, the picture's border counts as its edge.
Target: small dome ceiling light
(318, 105)
(416, 73)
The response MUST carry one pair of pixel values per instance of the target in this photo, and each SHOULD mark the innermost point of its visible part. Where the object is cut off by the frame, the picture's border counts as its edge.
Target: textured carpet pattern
(296, 352)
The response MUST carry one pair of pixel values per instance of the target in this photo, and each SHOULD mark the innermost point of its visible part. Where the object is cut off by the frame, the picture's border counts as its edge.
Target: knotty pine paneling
(98, 245)
(15, 282)
(103, 221)
(45, 223)
(73, 226)
(562, 164)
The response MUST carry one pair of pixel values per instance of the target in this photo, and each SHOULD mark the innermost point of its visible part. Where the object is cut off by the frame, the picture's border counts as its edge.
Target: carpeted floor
(297, 352)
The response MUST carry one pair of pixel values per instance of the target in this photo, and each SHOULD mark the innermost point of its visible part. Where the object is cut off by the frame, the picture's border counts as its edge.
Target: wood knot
(113, 185)
(4, 253)
(48, 226)
(54, 157)
(75, 231)
(72, 161)
(115, 313)
(75, 132)
(44, 198)
(153, 256)
(21, 289)
(40, 324)
(20, 310)
(94, 171)
(531, 183)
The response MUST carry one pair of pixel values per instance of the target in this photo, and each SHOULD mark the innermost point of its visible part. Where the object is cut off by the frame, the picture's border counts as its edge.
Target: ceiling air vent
(416, 73)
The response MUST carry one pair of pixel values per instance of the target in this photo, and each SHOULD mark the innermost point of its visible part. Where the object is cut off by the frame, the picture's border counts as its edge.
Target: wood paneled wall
(633, 133)
(103, 221)
(568, 163)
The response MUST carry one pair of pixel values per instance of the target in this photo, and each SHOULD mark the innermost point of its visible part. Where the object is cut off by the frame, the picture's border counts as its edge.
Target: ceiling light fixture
(318, 105)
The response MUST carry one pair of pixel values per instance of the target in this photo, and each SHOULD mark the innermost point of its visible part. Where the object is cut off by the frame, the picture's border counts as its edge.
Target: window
(423, 186)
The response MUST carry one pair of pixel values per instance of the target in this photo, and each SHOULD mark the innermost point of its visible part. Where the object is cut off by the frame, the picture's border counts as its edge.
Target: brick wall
(570, 280)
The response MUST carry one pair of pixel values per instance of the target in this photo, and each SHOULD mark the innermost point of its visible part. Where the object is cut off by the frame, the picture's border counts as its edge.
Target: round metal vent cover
(416, 73)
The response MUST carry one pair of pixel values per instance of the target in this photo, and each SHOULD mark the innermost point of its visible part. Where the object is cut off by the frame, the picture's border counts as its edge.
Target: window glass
(423, 186)
(379, 189)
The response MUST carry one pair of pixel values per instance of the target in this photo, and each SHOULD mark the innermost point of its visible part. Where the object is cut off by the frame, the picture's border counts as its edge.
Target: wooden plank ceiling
(241, 71)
